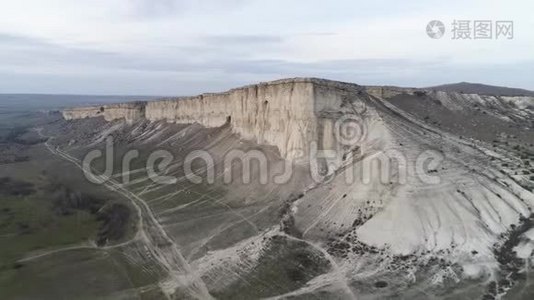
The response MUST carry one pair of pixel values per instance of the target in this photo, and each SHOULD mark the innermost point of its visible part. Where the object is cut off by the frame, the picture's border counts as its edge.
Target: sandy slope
(428, 224)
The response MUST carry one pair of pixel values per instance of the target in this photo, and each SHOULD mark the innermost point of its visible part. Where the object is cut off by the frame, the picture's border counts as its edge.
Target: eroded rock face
(82, 112)
(278, 113)
(129, 111)
(295, 115)
(388, 92)
(418, 190)
(289, 114)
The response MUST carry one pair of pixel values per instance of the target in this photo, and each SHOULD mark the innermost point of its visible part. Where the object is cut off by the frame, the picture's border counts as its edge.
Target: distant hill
(34, 102)
(483, 89)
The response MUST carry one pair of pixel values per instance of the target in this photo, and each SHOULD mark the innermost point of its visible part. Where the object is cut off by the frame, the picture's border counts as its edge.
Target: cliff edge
(287, 113)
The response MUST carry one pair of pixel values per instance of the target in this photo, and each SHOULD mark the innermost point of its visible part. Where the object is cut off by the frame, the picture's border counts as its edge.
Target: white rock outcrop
(289, 114)
(129, 111)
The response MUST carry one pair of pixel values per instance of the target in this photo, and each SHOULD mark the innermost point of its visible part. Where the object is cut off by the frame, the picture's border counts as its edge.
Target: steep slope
(469, 199)
(394, 191)
(481, 89)
(287, 114)
(487, 118)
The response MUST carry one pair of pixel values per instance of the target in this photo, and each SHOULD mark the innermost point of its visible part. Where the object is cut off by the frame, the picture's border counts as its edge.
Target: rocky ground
(371, 237)
(433, 199)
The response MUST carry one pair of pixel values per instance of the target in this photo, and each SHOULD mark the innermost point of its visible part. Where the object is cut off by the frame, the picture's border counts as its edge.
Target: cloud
(183, 73)
(169, 8)
(7, 39)
(29, 52)
(186, 46)
(239, 40)
(154, 9)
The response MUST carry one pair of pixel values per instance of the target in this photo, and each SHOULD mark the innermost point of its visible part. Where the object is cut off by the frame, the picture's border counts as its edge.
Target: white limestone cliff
(129, 111)
(470, 206)
(289, 114)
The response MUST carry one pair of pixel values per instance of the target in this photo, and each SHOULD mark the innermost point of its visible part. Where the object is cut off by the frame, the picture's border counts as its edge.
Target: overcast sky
(183, 47)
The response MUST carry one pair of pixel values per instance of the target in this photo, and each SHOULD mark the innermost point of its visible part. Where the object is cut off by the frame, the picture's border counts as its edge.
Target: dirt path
(151, 233)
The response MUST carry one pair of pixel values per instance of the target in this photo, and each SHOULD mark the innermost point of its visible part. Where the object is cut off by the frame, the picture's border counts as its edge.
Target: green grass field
(50, 219)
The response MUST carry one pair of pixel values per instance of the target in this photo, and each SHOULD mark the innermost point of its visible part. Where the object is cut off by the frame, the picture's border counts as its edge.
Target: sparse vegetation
(11, 187)
(510, 264)
(114, 219)
(285, 265)
(114, 223)
(381, 284)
